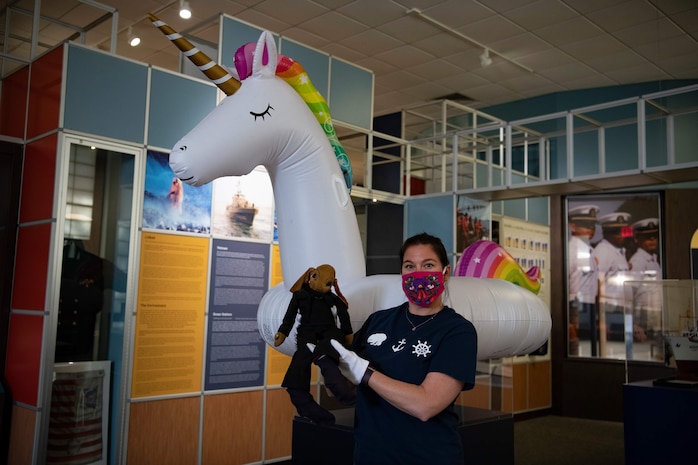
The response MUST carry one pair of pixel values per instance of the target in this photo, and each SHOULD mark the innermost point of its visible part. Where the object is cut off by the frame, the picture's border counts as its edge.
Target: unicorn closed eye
(264, 121)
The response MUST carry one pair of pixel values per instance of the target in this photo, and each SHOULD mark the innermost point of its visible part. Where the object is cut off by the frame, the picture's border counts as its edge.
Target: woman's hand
(351, 365)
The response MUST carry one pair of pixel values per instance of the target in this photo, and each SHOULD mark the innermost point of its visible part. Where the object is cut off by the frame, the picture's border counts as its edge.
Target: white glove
(351, 365)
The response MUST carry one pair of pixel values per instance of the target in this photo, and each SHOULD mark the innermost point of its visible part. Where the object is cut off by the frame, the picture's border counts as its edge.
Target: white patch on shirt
(421, 349)
(377, 339)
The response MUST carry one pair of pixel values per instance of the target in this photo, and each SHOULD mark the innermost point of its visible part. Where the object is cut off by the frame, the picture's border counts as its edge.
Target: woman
(410, 363)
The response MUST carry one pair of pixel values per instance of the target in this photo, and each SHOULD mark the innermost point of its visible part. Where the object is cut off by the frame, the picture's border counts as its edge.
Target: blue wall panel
(434, 215)
(177, 104)
(538, 210)
(351, 94)
(316, 64)
(686, 138)
(516, 208)
(235, 35)
(105, 95)
(586, 153)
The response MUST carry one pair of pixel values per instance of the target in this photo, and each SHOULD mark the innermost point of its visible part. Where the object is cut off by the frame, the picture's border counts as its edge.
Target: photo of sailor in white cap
(647, 300)
(583, 277)
(644, 260)
(613, 268)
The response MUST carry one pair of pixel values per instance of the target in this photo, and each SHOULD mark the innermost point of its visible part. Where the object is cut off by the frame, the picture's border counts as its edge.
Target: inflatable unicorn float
(270, 118)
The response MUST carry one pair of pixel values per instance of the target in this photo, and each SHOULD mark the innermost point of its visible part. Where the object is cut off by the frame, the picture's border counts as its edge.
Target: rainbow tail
(487, 259)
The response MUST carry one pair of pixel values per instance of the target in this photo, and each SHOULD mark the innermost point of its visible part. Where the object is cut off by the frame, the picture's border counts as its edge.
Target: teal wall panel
(351, 94)
(105, 95)
(235, 35)
(538, 208)
(516, 208)
(316, 64)
(177, 104)
(686, 138)
(434, 215)
(348, 89)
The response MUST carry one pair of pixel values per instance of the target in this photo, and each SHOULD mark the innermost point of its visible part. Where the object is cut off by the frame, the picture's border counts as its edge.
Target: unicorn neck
(316, 217)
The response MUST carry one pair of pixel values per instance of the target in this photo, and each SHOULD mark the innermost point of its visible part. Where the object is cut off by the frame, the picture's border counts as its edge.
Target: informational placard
(235, 351)
(170, 315)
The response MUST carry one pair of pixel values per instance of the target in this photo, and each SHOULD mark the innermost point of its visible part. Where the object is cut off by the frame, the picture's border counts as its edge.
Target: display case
(661, 325)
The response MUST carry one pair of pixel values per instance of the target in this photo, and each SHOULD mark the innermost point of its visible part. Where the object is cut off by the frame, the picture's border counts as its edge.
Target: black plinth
(659, 423)
(487, 437)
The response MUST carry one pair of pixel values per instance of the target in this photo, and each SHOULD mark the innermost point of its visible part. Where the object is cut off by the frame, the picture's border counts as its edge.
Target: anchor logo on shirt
(400, 345)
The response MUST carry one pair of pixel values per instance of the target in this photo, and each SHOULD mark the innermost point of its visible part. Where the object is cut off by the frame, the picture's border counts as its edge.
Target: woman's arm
(422, 401)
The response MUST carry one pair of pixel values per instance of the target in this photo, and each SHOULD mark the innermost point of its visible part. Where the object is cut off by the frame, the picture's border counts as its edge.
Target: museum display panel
(92, 303)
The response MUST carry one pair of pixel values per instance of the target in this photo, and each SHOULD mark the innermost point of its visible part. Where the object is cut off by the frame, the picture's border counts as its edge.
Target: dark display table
(487, 437)
(659, 423)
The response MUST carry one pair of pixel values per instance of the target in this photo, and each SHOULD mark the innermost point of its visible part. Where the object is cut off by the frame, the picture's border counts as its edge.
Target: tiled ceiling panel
(416, 48)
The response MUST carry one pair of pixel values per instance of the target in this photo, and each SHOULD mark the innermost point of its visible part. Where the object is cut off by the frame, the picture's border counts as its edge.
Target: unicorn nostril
(183, 148)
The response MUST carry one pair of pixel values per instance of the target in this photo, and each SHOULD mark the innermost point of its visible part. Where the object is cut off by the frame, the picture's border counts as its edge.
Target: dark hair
(426, 239)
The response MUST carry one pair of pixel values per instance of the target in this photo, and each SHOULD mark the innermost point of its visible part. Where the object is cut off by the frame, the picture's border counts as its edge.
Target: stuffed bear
(313, 300)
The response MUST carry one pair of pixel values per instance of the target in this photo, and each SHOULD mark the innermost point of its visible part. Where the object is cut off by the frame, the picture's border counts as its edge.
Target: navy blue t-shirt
(447, 344)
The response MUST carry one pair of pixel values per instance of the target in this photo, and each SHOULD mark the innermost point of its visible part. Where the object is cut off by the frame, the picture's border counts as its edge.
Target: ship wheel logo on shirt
(421, 349)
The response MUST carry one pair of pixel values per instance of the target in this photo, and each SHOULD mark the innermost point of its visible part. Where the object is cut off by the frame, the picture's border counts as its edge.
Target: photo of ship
(243, 206)
(241, 210)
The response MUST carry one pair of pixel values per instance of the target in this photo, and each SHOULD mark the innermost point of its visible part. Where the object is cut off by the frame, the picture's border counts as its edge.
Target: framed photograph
(79, 417)
(612, 239)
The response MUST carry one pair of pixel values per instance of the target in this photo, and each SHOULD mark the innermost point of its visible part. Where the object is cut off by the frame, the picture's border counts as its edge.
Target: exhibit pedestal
(659, 423)
(487, 437)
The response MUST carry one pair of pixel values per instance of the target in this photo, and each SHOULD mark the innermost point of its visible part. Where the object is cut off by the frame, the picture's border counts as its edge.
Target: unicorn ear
(264, 63)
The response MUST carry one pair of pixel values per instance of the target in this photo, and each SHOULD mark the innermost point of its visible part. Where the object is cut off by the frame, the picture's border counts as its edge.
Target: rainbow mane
(295, 75)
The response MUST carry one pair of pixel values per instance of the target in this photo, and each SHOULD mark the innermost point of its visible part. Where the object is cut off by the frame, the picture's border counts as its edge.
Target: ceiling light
(133, 39)
(184, 9)
(485, 59)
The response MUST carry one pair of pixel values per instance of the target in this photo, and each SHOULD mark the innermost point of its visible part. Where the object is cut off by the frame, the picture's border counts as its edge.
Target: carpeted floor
(553, 440)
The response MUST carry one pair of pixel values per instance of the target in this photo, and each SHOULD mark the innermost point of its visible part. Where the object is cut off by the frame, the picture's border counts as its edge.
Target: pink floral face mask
(423, 287)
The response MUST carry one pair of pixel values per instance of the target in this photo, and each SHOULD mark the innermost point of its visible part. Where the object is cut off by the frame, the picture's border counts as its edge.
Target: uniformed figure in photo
(645, 265)
(644, 260)
(583, 277)
(613, 268)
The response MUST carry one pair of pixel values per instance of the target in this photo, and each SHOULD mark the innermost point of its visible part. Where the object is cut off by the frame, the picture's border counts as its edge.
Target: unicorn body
(266, 123)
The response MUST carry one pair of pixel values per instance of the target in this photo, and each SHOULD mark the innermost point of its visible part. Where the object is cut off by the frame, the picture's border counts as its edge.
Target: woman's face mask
(423, 287)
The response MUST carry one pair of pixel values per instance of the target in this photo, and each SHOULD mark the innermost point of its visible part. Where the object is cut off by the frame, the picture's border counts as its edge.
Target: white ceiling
(560, 44)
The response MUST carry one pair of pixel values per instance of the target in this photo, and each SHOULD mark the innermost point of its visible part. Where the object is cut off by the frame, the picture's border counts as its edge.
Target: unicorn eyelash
(262, 114)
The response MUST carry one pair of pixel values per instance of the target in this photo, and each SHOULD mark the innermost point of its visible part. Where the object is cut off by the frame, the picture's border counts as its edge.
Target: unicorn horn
(216, 73)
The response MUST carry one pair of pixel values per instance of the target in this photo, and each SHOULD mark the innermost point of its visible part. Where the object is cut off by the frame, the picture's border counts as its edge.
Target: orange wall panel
(232, 432)
(38, 178)
(539, 395)
(13, 103)
(279, 424)
(21, 436)
(164, 431)
(45, 93)
(478, 397)
(31, 267)
(24, 357)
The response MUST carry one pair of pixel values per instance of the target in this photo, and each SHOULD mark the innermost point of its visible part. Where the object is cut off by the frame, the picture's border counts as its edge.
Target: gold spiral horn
(216, 73)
